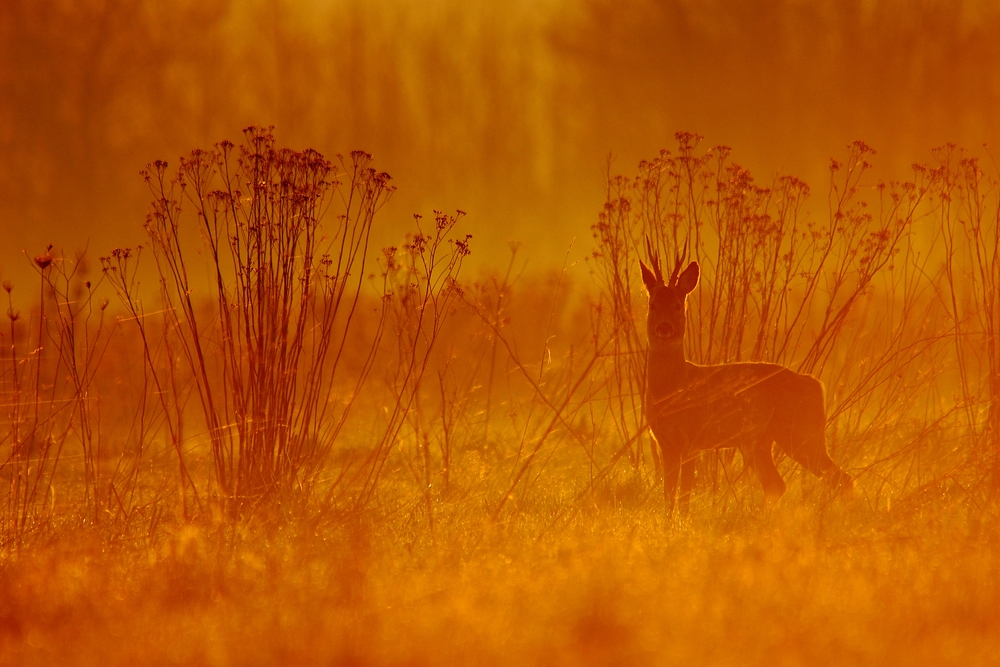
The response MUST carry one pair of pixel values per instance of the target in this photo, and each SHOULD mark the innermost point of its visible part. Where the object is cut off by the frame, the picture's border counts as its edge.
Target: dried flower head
(8, 286)
(44, 259)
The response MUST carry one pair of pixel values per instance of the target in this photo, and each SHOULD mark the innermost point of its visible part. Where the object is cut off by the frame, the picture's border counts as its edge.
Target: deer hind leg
(760, 459)
(687, 483)
(808, 448)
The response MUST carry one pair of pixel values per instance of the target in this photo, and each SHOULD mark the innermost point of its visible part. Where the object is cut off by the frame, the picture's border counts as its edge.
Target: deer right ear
(648, 277)
(688, 280)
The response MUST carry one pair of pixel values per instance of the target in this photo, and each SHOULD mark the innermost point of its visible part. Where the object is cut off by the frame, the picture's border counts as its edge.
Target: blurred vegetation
(506, 110)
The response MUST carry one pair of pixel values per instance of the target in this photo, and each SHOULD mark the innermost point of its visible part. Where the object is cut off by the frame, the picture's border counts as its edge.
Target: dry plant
(614, 234)
(561, 386)
(159, 374)
(420, 287)
(48, 374)
(286, 288)
(967, 207)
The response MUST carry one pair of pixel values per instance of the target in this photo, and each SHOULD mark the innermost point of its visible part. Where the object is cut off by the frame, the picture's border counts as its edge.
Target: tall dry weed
(286, 286)
(48, 372)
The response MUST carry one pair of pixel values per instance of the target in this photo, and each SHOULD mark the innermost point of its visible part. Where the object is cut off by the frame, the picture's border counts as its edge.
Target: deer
(750, 406)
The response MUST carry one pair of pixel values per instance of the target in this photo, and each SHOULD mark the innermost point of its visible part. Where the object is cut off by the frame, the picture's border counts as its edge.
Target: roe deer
(750, 406)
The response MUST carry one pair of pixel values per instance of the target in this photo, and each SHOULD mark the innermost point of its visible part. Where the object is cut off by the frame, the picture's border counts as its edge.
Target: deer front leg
(671, 470)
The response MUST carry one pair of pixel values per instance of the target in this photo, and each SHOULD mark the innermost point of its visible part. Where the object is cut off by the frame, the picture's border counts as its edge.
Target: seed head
(43, 260)
(8, 286)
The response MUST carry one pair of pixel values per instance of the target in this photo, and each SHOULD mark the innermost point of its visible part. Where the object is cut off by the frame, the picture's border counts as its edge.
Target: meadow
(260, 439)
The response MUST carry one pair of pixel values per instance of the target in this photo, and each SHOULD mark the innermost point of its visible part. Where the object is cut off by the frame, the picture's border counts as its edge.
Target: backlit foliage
(291, 446)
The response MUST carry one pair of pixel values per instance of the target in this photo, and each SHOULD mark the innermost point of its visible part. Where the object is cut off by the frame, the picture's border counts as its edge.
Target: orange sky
(504, 109)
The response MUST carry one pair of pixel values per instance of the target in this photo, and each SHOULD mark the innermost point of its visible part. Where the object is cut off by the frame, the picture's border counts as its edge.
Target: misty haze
(561, 332)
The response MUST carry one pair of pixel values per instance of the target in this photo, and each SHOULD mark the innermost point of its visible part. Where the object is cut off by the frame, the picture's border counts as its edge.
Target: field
(299, 450)
(844, 585)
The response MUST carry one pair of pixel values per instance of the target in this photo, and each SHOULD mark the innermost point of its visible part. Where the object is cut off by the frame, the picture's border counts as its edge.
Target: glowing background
(507, 110)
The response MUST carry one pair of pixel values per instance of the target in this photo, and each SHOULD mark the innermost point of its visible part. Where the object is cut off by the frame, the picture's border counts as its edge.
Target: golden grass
(841, 584)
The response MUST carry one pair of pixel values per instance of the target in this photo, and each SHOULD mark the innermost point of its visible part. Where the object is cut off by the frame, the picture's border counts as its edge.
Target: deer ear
(688, 280)
(648, 278)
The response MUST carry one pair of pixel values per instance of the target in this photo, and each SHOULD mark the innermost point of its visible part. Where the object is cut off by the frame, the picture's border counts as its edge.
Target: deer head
(667, 316)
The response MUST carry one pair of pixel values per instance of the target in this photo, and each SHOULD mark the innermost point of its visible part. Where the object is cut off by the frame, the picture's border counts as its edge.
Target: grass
(481, 489)
(843, 585)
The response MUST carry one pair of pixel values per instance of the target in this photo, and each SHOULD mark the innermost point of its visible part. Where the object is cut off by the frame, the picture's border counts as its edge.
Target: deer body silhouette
(749, 406)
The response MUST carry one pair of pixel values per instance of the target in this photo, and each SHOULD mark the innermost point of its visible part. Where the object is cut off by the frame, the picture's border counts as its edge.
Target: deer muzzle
(664, 330)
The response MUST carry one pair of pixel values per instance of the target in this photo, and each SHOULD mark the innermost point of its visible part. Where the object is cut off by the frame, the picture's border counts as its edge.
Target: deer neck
(666, 369)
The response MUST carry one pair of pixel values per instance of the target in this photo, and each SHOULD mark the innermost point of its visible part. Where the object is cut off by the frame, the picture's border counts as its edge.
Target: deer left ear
(648, 278)
(688, 280)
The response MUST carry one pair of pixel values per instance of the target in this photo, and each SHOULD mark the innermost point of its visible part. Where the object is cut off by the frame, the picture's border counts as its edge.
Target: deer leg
(801, 432)
(809, 451)
(761, 460)
(687, 483)
(671, 470)
(839, 480)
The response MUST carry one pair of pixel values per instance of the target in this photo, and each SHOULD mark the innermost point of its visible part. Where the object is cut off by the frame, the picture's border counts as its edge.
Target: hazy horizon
(505, 110)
